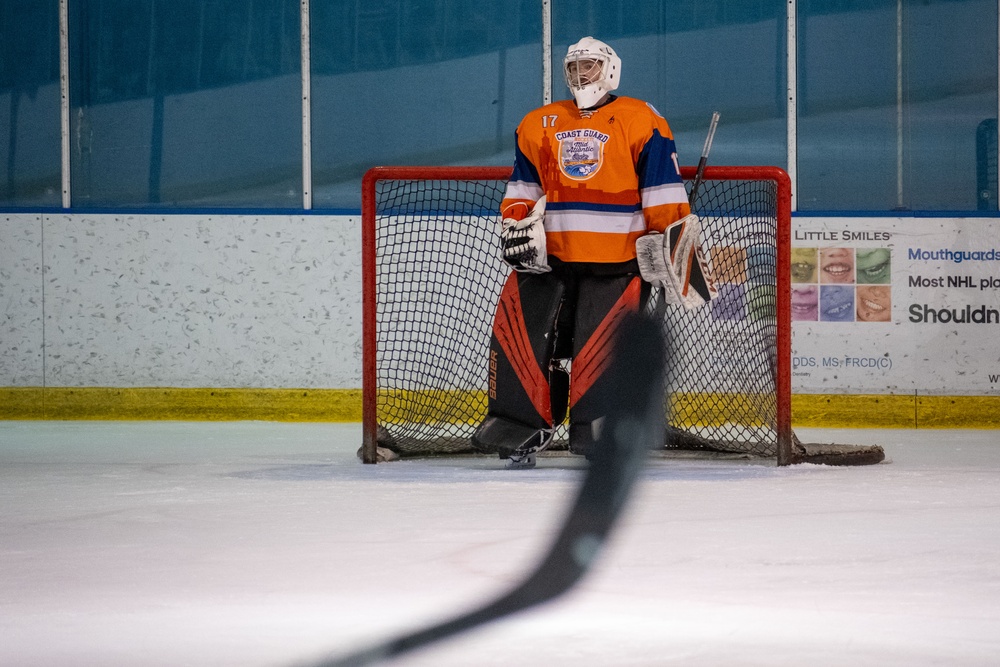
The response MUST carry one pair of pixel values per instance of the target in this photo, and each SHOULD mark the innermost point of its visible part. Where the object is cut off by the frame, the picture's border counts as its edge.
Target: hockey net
(432, 277)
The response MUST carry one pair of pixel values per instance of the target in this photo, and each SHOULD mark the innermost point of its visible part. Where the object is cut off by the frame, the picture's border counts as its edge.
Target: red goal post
(774, 179)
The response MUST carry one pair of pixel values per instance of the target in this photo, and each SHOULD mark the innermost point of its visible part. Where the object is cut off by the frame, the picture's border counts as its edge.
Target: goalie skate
(525, 456)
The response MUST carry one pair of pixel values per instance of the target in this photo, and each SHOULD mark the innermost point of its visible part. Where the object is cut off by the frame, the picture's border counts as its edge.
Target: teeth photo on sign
(836, 265)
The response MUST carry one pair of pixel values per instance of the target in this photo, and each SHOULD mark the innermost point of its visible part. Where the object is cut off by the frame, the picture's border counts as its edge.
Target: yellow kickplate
(344, 405)
(895, 411)
(167, 403)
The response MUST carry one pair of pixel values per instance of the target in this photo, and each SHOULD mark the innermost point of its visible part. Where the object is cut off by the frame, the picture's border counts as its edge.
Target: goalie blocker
(675, 263)
(551, 345)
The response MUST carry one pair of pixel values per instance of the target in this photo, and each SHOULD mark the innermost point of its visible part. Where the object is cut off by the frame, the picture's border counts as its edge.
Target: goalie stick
(633, 426)
(700, 174)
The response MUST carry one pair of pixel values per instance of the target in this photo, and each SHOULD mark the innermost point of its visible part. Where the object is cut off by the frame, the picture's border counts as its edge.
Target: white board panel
(896, 305)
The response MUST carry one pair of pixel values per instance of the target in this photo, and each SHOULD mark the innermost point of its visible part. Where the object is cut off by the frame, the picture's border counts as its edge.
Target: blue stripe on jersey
(655, 165)
(586, 206)
(523, 169)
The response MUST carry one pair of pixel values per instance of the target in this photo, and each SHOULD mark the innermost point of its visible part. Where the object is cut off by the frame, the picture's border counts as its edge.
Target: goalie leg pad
(504, 437)
(521, 350)
(603, 303)
(582, 436)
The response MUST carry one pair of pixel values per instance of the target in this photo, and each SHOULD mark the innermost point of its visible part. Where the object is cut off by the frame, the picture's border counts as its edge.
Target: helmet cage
(583, 70)
(592, 70)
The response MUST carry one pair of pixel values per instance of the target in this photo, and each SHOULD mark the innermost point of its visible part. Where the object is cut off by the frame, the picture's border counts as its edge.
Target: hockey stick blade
(634, 425)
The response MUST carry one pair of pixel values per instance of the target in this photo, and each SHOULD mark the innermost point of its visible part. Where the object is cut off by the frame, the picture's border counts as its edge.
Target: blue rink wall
(200, 104)
(204, 316)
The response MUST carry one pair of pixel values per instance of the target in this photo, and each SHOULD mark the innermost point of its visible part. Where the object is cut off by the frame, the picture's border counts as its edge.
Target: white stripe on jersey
(669, 193)
(524, 190)
(594, 221)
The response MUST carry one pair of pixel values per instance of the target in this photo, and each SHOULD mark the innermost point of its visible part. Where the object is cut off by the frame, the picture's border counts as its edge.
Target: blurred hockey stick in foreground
(633, 426)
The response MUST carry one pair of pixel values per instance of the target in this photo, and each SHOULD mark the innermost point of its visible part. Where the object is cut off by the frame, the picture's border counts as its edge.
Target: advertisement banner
(896, 305)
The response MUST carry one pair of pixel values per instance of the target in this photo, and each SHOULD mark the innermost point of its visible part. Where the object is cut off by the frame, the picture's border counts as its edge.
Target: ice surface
(161, 543)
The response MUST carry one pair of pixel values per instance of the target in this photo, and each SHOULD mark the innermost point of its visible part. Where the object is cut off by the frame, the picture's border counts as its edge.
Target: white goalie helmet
(592, 70)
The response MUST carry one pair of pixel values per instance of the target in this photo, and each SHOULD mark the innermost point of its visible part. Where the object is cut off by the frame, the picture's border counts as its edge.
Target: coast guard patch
(581, 152)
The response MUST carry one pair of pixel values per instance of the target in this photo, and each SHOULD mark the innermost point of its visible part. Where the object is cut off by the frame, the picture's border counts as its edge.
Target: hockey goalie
(592, 177)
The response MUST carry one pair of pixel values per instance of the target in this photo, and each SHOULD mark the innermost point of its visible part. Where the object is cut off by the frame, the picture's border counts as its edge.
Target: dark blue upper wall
(192, 103)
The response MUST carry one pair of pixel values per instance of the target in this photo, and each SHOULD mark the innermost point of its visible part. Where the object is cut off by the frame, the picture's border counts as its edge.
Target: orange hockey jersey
(609, 175)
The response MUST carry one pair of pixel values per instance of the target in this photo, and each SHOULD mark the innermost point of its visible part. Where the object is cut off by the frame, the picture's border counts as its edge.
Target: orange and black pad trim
(602, 304)
(521, 348)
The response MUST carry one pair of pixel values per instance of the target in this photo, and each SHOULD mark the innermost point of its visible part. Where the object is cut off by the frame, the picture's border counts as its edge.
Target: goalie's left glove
(674, 262)
(523, 241)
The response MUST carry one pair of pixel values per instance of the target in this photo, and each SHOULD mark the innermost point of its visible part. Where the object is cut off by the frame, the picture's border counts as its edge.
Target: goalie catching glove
(523, 241)
(674, 262)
